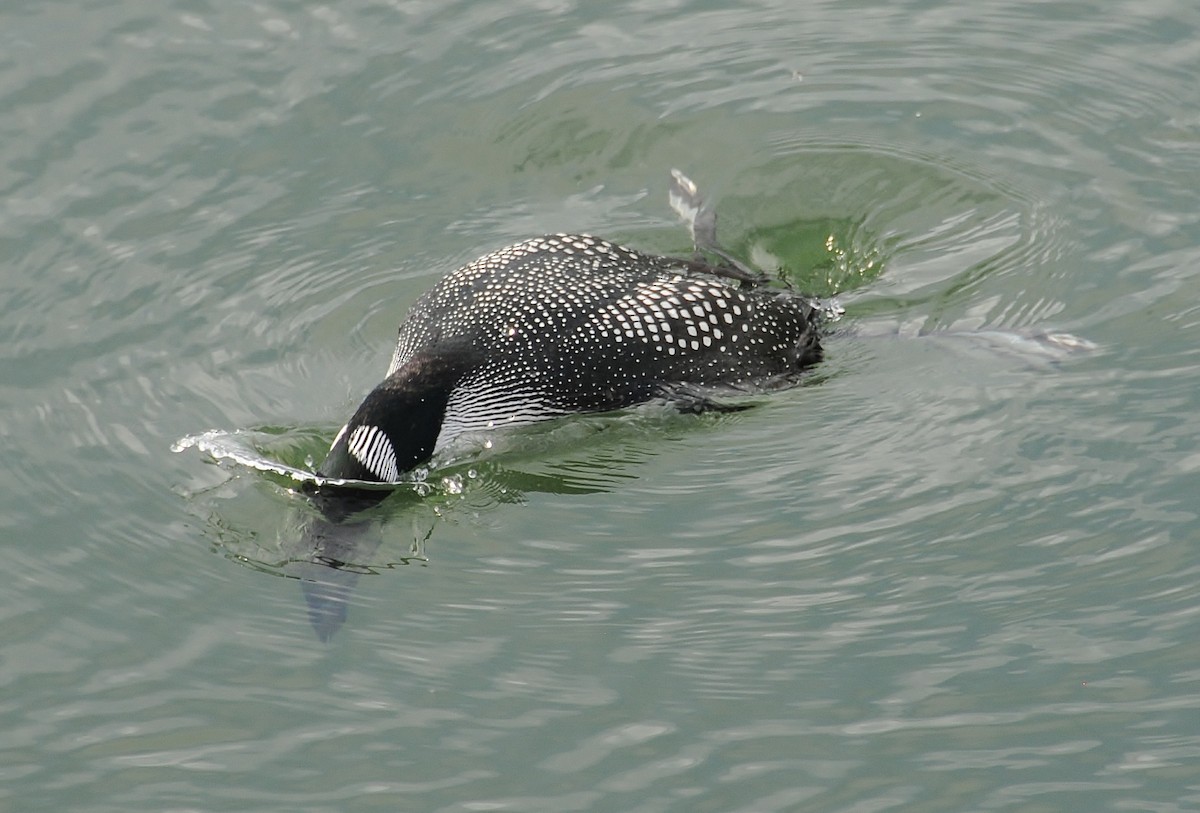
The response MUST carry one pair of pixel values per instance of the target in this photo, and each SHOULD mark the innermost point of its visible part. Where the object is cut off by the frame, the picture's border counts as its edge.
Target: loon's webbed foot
(741, 273)
(701, 220)
(687, 397)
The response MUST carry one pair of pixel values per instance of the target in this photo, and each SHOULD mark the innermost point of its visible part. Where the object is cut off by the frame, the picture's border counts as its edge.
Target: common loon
(570, 323)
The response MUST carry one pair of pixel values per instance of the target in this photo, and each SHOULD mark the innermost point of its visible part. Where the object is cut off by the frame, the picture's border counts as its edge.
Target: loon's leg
(701, 221)
(696, 398)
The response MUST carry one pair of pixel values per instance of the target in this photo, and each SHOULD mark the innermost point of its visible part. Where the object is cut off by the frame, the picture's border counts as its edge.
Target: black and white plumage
(569, 324)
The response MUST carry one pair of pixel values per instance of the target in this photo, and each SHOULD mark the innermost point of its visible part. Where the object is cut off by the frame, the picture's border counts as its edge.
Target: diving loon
(570, 323)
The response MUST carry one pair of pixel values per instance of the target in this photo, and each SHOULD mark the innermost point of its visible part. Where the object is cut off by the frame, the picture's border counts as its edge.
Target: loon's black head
(396, 427)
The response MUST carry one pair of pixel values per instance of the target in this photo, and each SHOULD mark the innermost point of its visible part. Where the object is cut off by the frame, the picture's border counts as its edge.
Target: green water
(948, 574)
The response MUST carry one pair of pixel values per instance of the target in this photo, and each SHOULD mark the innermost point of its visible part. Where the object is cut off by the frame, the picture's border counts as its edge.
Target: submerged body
(569, 324)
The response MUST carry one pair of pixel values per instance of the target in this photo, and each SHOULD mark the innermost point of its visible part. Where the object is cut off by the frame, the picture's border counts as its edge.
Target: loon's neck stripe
(371, 447)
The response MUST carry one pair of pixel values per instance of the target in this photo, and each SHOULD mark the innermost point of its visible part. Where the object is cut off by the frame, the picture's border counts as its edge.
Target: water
(950, 573)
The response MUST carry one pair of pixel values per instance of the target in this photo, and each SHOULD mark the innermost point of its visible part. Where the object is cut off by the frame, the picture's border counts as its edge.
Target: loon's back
(568, 324)
(571, 323)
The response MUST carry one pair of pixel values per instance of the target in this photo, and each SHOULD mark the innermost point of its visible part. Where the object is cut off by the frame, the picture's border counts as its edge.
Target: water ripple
(938, 577)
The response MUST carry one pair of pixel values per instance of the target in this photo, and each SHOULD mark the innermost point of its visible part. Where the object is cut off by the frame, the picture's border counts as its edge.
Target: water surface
(946, 574)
